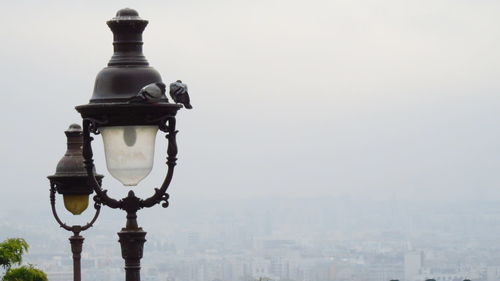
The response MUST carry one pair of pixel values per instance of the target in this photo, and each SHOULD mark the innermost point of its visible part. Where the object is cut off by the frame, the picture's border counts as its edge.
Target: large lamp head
(128, 127)
(71, 179)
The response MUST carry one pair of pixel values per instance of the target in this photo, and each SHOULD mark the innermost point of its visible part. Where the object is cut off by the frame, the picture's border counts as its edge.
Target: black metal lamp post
(128, 127)
(71, 180)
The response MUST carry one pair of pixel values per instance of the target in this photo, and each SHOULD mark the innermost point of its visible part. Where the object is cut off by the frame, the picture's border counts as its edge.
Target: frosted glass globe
(129, 152)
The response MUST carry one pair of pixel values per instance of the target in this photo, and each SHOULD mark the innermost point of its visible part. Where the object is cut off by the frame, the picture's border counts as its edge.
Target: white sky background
(371, 99)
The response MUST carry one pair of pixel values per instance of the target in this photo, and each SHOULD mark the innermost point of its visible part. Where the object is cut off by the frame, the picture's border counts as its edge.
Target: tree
(25, 273)
(11, 253)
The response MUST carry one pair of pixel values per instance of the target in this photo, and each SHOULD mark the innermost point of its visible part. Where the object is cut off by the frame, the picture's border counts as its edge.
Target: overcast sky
(370, 99)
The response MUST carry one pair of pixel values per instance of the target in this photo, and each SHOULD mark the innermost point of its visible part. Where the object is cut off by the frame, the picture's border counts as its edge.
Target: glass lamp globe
(76, 204)
(129, 152)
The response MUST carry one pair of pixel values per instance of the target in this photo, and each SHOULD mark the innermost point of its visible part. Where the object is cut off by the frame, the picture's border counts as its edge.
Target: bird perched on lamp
(150, 93)
(179, 93)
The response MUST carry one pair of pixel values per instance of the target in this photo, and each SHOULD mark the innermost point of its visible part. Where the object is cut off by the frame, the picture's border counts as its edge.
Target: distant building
(493, 273)
(413, 264)
(383, 272)
(60, 276)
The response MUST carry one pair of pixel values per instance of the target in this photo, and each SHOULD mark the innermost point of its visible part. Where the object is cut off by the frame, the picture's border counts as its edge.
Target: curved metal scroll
(76, 229)
(131, 203)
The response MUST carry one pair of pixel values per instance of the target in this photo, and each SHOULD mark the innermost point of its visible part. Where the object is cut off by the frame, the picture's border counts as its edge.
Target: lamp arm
(130, 203)
(161, 193)
(102, 195)
(97, 206)
(53, 207)
(76, 229)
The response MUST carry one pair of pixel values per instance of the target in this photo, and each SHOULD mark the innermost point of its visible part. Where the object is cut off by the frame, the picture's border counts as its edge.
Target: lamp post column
(76, 248)
(132, 239)
(132, 243)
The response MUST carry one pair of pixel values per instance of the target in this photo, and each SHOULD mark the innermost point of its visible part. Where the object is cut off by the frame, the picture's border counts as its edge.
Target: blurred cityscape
(322, 239)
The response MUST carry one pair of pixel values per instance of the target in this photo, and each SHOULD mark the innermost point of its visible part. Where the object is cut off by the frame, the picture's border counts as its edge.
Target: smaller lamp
(71, 179)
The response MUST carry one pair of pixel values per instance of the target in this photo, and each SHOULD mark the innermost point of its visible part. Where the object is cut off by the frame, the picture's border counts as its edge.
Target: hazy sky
(373, 99)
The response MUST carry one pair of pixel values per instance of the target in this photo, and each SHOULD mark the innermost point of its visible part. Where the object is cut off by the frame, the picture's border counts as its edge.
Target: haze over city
(340, 121)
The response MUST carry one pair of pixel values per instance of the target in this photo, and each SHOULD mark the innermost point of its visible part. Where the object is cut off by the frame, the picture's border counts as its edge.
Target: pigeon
(150, 93)
(179, 93)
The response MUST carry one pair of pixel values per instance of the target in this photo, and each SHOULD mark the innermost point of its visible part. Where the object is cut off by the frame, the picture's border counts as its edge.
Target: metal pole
(76, 248)
(132, 239)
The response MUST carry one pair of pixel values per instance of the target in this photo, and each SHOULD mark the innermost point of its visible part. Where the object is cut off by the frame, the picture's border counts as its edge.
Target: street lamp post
(128, 115)
(71, 180)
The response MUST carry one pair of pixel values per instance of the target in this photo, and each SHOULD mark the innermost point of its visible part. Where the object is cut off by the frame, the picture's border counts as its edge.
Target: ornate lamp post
(71, 180)
(128, 108)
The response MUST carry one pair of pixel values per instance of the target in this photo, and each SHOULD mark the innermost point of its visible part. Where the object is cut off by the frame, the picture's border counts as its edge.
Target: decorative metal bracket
(76, 229)
(76, 240)
(131, 204)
